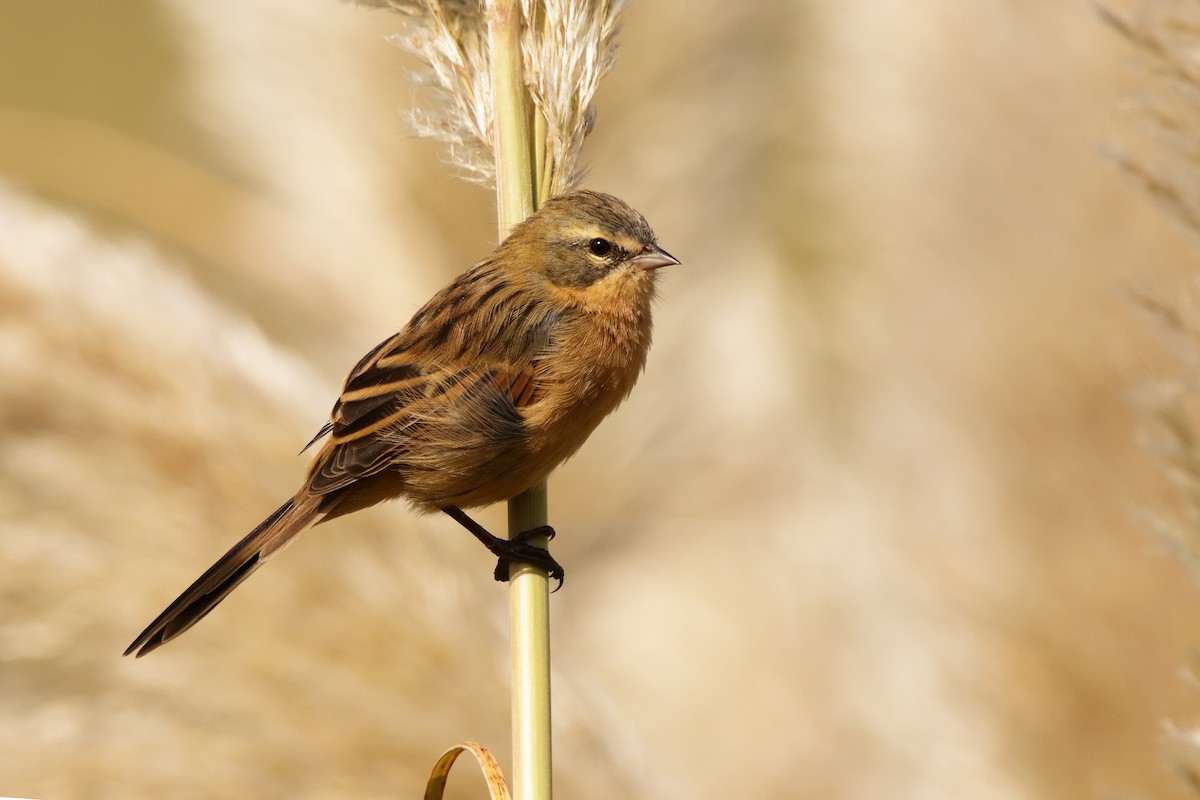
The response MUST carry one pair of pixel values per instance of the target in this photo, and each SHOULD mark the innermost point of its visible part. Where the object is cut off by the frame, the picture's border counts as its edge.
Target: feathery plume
(567, 47)
(1166, 35)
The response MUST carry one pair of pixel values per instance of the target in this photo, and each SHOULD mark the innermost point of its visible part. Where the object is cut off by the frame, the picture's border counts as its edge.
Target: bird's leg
(509, 550)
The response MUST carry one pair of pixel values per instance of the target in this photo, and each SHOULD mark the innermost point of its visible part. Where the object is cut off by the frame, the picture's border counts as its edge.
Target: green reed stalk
(529, 592)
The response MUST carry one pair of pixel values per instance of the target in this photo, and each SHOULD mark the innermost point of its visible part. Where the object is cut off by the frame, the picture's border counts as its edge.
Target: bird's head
(585, 238)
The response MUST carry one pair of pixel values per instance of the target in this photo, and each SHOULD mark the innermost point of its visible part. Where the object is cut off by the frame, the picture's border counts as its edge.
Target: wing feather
(395, 411)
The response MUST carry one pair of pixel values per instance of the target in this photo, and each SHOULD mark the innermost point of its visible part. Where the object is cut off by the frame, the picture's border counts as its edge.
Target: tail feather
(288, 521)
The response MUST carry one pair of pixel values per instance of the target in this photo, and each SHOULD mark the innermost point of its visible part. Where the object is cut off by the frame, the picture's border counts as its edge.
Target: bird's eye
(600, 247)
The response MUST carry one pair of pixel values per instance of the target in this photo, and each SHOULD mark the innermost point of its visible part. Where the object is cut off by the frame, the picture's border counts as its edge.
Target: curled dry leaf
(487, 762)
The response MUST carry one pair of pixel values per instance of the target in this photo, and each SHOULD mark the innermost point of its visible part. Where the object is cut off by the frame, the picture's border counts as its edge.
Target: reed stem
(529, 590)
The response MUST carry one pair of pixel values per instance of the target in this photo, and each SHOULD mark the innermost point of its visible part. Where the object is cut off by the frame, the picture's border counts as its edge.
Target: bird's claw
(518, 549)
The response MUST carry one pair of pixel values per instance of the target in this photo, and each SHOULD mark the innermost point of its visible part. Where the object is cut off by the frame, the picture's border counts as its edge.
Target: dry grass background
(868, 527)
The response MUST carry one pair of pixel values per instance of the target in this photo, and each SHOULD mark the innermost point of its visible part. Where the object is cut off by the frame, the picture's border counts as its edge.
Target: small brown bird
(492, 384)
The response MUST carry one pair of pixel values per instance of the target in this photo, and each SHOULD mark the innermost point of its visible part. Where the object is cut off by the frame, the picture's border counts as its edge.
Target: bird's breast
(587, 363)
(592, 364)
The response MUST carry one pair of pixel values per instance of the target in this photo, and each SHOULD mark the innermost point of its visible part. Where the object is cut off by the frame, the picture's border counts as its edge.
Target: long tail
(288, 521)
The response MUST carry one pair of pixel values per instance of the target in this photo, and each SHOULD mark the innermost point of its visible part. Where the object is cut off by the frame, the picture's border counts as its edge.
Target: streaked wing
(369, 421)
(389, 404)
(366, 364)
(325, 429)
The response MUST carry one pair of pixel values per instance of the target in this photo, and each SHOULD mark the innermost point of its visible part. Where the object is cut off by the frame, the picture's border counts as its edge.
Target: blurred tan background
(870, 526)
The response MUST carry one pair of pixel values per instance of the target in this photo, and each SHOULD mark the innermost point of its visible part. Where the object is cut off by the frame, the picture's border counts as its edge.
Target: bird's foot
(518, 549)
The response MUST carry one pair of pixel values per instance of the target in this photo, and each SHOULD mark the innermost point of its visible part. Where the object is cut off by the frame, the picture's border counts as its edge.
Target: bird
(496, 380)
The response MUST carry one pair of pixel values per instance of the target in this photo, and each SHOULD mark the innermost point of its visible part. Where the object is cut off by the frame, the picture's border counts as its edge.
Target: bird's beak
(654, 257)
